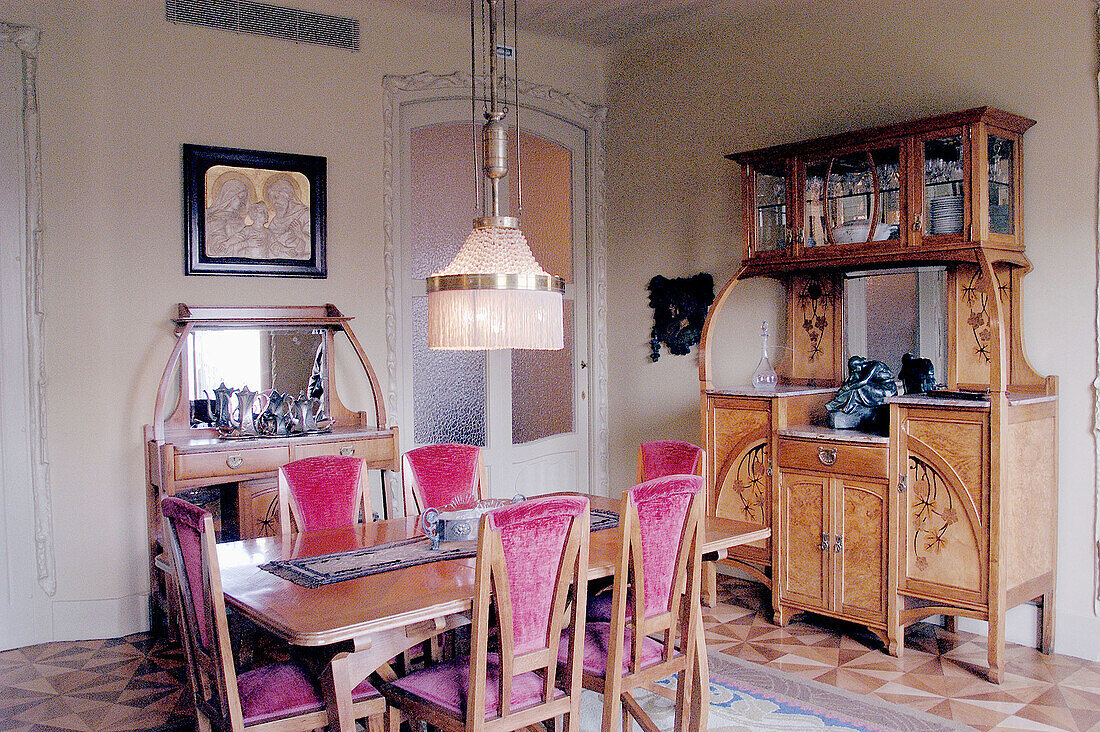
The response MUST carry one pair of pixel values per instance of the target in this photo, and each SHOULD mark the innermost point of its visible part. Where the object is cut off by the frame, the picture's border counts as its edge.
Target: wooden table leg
(336, 684)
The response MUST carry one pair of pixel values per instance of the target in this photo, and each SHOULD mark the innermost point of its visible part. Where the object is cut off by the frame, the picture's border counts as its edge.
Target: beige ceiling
(594, 21)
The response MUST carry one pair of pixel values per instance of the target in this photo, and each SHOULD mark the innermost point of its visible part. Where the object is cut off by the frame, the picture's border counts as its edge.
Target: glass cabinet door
(1002, 193)
(769, 182)
(852, 198)
(944, 188)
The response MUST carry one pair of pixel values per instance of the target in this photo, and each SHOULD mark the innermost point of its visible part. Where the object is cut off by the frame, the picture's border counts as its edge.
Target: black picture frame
(253, 213)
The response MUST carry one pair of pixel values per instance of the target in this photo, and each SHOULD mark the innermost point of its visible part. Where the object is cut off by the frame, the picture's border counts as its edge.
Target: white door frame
(26, 541)
(426, 87)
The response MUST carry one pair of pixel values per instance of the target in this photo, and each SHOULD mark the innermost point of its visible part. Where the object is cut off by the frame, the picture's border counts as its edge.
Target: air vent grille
(242, 16)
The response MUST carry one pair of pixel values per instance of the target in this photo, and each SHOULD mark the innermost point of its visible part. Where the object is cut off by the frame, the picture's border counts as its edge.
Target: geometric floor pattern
(940, 672)
(132, 683)
(139, 682)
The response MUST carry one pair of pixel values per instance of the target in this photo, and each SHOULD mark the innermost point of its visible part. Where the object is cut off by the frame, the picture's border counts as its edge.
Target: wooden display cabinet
(183, 452)
(954, 512)
(925, 190)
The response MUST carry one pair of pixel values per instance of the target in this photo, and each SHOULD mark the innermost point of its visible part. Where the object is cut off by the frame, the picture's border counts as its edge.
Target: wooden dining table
(357, 625)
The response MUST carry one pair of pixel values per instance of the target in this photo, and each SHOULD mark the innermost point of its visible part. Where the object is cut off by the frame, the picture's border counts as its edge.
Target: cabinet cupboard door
(806, 540)
(738, 460)
(258, 507)
(945, 526)
(861, 529)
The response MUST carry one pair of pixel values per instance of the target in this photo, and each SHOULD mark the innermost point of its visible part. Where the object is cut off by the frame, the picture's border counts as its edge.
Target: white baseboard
(91, 619)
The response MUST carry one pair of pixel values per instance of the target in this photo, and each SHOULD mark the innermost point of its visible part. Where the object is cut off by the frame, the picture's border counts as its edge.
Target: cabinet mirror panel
(288, 360)
(893, 312)
(1002, 157)
(943, 185)
(770, 186)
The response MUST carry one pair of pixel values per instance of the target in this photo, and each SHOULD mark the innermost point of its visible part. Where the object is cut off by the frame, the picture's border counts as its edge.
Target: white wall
(682, 98)
(120, 89)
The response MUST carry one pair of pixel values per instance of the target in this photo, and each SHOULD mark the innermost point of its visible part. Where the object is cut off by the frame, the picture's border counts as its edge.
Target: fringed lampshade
(495, 295)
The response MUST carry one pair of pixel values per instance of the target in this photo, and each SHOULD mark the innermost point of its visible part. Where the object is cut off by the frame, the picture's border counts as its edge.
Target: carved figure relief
(816, 299)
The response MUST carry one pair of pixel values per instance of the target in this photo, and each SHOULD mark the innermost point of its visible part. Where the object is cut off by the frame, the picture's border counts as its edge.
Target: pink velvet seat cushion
(597, 646)
(284, 690)
(669, 457)
(447, 684)
(599, 606)
(444, 472)
(325, 488)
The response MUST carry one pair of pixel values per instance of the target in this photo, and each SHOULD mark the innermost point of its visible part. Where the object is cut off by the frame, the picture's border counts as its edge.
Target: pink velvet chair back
(189, 535)
(669, 457)
(323, 492)
(434, 475)
(532, 562)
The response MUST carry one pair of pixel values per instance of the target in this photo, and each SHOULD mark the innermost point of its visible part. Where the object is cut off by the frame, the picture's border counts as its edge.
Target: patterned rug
(747, 697)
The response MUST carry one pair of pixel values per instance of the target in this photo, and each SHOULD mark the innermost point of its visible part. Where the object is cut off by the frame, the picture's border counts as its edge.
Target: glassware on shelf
(764, 377)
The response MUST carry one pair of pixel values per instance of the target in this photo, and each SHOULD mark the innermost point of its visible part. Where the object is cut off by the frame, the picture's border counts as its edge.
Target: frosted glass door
(526, 409)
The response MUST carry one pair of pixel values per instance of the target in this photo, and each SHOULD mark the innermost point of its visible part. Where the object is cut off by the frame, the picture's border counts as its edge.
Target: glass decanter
(764, 377)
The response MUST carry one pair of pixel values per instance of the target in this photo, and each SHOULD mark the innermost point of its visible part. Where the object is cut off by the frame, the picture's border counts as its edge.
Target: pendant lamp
(494, 294)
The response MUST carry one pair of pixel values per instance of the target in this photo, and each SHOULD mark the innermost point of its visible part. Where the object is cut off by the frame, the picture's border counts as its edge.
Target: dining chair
(655, 612)
(323, 492)
(670, 457)
(435, 475)
(532, 559)
(278, 697)
(655, 460)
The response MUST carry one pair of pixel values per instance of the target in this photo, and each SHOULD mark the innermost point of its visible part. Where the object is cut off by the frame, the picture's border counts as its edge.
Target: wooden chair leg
(710, 584)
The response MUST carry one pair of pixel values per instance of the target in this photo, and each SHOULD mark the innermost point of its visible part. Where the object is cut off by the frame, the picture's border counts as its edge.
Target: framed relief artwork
(248, 212)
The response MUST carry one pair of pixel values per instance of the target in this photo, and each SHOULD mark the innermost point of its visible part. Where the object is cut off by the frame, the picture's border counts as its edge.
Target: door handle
(839, 544)
(824, 542)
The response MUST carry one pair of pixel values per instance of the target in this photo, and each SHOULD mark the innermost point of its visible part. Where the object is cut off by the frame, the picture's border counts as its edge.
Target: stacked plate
(946, 214)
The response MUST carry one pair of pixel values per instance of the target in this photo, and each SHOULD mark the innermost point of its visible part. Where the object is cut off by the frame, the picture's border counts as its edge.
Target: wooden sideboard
(953, 511)
(183, 454)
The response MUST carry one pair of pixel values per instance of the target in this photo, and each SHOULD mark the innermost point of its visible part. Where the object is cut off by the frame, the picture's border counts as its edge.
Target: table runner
(325, 569)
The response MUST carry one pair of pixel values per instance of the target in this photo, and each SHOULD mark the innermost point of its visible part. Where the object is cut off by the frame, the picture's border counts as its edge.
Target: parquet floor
(138, 682)
(940, 673)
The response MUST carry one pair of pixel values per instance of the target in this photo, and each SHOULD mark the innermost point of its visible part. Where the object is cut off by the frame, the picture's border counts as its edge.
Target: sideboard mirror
(291, 360)
(892, 312)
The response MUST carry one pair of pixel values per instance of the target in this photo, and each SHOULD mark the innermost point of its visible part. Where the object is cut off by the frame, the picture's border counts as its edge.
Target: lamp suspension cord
(515, 96)
(474, 127)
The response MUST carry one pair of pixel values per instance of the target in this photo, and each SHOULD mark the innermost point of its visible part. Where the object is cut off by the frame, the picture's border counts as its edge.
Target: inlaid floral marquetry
(933, 511)
(743, 491)
(815, 298)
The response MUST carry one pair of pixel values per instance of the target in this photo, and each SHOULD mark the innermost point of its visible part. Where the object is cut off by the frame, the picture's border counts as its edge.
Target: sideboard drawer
(833, 456)
(230, 462)
(372, 450)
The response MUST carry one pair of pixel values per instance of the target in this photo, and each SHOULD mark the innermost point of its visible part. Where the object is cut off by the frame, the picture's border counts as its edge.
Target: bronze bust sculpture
(860, 403)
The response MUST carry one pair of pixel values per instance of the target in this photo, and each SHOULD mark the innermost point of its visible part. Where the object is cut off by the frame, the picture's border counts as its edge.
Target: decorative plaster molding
(426, 86)
(26, 39)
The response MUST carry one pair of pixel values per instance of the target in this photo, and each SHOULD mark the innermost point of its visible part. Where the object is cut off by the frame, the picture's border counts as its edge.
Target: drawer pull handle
(824, 542)
(347, 451)
(839, 544)
(827, 455)
(234, 461)
(901, 484)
